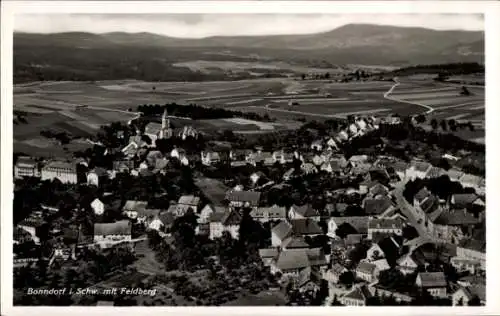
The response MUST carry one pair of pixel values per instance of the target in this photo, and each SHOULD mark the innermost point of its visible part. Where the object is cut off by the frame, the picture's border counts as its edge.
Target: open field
(80, 108)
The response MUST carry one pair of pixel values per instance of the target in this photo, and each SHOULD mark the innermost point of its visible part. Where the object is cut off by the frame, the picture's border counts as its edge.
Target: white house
(418, 170)
(105, 233)
(317, 145)
(132, 208)
(432, 282)
(303, 211)
(95, 175)
(210, 157)
(367, 271)
(384, 225)
(97, 206)
(225, 222)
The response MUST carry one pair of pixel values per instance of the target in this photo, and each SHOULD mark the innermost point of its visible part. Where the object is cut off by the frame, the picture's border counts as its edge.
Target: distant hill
(147, 56)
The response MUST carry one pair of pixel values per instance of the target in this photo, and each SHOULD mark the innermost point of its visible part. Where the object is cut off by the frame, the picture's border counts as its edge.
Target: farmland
(80, 108)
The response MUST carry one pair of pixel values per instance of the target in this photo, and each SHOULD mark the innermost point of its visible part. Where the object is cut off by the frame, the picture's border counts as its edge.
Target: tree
(347, 278)
(465, 91)
(434, 124)
(471, 126)
(327, 75)
(475, 301)
(409, 232)
(444, 126)
(303, 76)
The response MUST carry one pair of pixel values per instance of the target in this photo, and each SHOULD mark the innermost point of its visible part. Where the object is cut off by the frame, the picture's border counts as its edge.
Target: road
(430, 109)
(409, 211)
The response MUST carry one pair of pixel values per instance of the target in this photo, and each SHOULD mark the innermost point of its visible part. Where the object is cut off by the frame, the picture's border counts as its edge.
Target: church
(159, 131)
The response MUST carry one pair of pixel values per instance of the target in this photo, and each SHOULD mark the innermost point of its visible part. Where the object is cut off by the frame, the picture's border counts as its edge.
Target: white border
(492, 27)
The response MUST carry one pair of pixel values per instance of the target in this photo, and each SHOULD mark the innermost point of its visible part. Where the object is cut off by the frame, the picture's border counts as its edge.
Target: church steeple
(165, 125)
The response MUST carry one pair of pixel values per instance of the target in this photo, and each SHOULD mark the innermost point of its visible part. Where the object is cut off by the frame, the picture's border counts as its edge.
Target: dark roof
(377, 206)
(272, 212)
(147, 212)
(117, 228)
(353, 239)
(308, 274)
(294, 242)
(359, 223)
(269, 252)
(430, 204)
(464, 200)
(432, 279)
(305, 227)
(226, 218)
(282, 230)
(422, 194)
(316, 256)
(244, 196)
(385, 223)
(167, 218)
(25, 162)
(293, 259)
(456, 217)
(361, 293)
(137, 206)
(473, 244)
(305, 210)
(366, 267)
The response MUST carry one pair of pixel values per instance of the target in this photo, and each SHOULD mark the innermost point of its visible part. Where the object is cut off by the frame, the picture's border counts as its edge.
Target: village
(323, 222)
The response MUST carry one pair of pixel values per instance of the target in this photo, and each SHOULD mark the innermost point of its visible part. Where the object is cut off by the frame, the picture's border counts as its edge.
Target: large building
(156, 131)
(62, 170)
(26, 167)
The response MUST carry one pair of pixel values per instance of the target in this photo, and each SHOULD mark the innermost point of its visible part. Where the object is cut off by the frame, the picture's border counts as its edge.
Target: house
(377, 189)
(333, 274)
(462, 295)
(308, 168)
(384, 225)
(225, 222)
(375, 252)
(357, 159)
(132, 208)
(97, 206)
(177, 153)
(409, 262)
(294, 242)
(378, 206)
(291, 262)
(318, 160)
(179, 210)
(400, 168)
(332, 166)
(96, 175)
(454, 174)
(435, 172)
(187, 131)
(303, 211)
(306, 227)
(466, 200)
(352, 240)
(331, 143)
(342, 136)
(123, 165)
(32, 226)
(256, 176)
(280, 232)
(309, 280)
(287, 176)
(367, 271)
(191, 201)
(317, 145)
(120, 231)
(243, 198)
(432, 282)
(209, 209)
(381, 264)
(268, 255)
(450, 225)
(266, 214)
(61, 170)
(21, 236)
(359, 223)
(358, 296)
(472, 181)
(209, 158)
(473, 249)
(462, 265)
(26, 167)
(146, 215)
(162, 222)
(418, 169)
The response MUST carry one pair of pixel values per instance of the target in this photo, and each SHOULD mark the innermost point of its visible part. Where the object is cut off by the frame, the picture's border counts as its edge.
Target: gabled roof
(282, 230)
(167, 218)
(421, 166)
(268, 253)
(456, 217)
(305, 227)
(308, 274)
(360, 223)
(305, 210)
(384, 223)
(432, 279)
(294, 242)
(361, 293)
(366, 267)
(135, 205)
(464, 199)
(316, 256)
(422, 195)
(148, 212)
(454, 174)
(57, 164)
(227, 218)
(26, 162)
(430, 204)
(189, 200)
(471, 179)
(473, 244)
(244, 196)
(377, 206)
(271, 212)
(293, 259)
(117, 228)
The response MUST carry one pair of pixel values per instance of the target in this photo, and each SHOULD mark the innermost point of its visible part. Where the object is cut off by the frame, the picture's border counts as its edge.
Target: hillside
(86, 56)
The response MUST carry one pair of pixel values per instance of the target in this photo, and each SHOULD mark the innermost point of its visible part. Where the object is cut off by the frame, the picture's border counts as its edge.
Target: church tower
(165, 131)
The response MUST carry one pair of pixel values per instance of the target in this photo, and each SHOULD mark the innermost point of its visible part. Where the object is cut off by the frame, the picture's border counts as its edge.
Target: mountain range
(350, 44)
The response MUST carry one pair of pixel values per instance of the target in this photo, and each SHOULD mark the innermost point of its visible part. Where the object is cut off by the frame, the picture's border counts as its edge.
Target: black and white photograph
(247, 159)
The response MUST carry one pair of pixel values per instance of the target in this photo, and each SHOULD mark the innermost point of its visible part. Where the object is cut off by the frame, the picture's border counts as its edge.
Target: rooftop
(117, 228)
(432, 279)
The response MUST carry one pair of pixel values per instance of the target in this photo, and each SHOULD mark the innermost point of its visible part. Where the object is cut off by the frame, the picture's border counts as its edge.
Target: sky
(203, 25)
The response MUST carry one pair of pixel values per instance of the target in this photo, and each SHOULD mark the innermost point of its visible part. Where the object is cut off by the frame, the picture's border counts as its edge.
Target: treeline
(447, 69)
(197, 112)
